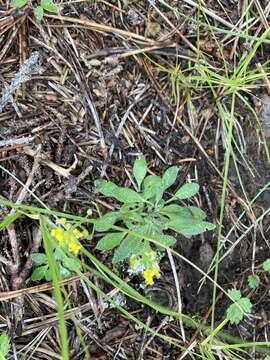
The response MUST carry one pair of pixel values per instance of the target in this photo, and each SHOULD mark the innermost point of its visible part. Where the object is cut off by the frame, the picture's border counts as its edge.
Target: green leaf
(64, 273)
(266, 265)
(234, 314)
(110, 241)
(140, 170)
(48, 275)
(242, 305)
(253, 281)
(18, 3)
(127, 195)
(58, 254)
(197, 213)
(245, 304)
(189, 227)
(72, 264)
(49, 6)
(234, 294)
(39, 273)
(106, 221)
(131, 245)
(121, 194)
(107, 188)
(187, 191)
(39, 13)
(236, 311)
(39, 258)
(166, 240)
(152, 187)
(169, 177)
(173, 211)
(4, 346)
(132, 217)
(191, 212)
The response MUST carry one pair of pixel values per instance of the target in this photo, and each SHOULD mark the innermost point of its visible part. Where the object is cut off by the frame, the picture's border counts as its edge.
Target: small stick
(178, 292)
(210, 13)
(16, 141)
(30, 67)
(96, 119)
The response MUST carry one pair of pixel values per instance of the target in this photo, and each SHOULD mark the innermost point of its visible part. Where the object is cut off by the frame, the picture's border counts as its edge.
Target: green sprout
(4, 346)
(240, 307)
(45, 5)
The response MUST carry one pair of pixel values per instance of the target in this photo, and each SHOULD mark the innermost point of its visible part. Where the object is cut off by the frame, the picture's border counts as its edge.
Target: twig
(119, 129)
(8, 295)
(30, 67)
(96, 119)
(210, 13)
(44, 161)
(16, 141)
(178, 292)
(100, 27)
(262, 14)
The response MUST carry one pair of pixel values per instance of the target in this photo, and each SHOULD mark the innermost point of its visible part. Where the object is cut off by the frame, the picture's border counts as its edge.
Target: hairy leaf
(107, 188)
(152, 187)
(140, 170)
(131, 245)
(253, 281)
(234, 294)
(39, 13)
(166, 240)
(106, 221)
(174, 211)
(169, 177)
(187, 191)
(110, 241)
(39, 258)
(236, 311)
(48, 275)
(4, 346)
(130, 196)
(64, 273)
(72, 264)
(266, 265)
(197, 213)
(189, 227)
(234, 314)
(39, 273)
(49, 6)
(121, 194)
(18, 3)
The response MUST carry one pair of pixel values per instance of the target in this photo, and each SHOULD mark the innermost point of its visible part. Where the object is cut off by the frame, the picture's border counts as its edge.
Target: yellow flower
(67, 238)
(59, 235)
(77, 233)
(74, 246)
(134, 262)
(148, 275)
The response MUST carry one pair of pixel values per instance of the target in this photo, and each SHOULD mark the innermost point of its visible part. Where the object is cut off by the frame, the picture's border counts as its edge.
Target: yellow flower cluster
(146, 264)
(149, 274)
(68, 236)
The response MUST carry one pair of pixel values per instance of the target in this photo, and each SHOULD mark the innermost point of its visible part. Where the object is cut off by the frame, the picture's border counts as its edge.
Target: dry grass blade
(101, 27)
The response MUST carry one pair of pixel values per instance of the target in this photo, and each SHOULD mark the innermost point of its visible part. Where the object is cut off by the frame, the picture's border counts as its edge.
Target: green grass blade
(57, 290)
